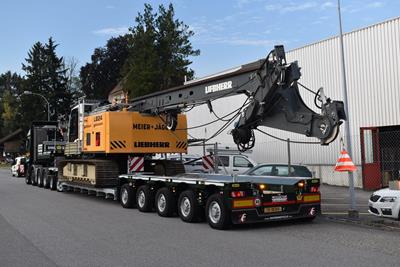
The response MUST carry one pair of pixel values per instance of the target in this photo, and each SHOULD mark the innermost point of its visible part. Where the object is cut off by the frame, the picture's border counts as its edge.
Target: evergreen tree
(103, 73)
(174, 48)
(159, 52)
(141, 71)
(56, 83)
(33, 108)
(45, 75)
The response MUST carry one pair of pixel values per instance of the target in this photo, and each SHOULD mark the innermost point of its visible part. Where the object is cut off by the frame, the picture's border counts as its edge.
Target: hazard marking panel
(135, 164)
(208, 163)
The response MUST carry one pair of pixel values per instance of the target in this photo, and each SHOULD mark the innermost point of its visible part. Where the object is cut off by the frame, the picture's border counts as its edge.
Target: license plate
(272, 209)
(280, 198)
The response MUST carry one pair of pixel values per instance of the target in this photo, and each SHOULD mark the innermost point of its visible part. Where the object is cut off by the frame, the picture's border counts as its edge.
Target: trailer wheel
(52, 182)
(217, 213)
(28, 179)
(59, 187)
(165, 202)
(40, 177)
(127, 196)
(188, 208)
(45, 179)
(33, 176)
(145, 198)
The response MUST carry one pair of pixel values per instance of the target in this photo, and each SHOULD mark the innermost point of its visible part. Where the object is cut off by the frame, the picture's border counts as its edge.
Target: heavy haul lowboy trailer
(104, 140)
(220, 199)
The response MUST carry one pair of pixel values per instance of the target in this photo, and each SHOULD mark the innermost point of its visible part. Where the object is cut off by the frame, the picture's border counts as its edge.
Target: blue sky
(228, 33)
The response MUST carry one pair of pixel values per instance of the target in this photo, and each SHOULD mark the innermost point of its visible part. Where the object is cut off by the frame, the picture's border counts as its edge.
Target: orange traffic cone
(345, 163)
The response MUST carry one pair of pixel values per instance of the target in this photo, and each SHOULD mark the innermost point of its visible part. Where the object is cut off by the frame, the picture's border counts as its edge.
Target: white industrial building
(372, 57)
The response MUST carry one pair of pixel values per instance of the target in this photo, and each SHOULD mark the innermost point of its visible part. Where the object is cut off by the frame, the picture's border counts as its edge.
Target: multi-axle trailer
(104, 143)
(220, 199)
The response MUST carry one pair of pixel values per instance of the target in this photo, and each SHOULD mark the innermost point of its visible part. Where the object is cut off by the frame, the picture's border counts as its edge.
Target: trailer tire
(52, 182)
(46, 181)
(217, 214)
(33, 176)
(28, 179)
(144, 198)
(39, 177)
(127, 196)
(165, 202)
(188, 208)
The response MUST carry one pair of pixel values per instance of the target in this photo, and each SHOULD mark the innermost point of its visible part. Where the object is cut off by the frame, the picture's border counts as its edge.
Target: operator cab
(75, 122)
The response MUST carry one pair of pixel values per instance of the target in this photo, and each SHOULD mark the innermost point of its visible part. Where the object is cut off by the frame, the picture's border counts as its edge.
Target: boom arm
(274, 97)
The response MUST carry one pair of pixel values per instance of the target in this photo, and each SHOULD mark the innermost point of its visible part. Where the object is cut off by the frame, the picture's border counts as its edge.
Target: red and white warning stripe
(135, 164)
(208, 163)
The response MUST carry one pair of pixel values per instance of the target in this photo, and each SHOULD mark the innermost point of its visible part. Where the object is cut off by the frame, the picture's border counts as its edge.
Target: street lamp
(45, 99)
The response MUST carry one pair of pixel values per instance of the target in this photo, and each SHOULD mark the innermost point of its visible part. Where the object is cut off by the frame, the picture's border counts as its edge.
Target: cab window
(241, 162)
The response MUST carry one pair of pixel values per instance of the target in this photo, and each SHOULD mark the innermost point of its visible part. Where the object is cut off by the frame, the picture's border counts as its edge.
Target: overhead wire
(285, 140)
(229, 121)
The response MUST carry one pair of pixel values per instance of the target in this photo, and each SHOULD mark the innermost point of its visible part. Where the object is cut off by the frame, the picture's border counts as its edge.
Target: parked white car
(18, 168)
(385, 203)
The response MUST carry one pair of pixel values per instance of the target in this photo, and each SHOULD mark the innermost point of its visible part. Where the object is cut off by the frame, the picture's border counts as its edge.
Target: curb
(380, 224)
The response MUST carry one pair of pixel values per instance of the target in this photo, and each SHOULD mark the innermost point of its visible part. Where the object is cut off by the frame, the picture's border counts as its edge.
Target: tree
(103, 73)
(174, 48)
(74, 83)
(141, 69)
(33, 108)
(10, 87)
(9, 113)
(45, 75)
(159, 52)
(56, 82)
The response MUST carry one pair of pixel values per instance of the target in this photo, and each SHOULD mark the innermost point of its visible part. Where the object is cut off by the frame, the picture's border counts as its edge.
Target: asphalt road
(39, 227)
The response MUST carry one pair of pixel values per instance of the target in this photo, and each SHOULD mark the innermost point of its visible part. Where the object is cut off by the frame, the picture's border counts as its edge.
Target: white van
(234, 164)
(227, 163)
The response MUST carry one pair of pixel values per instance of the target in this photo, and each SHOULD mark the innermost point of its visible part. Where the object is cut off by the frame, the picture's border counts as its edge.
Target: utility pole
(352, 212)
(289, 158)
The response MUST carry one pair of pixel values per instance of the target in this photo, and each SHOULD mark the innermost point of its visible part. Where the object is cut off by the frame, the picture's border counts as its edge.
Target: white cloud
(111, 31)
(291, 7)
(243, 3)
(273, 7)
(327, 5)
(295, 6)
(110, 7)
(376, 4)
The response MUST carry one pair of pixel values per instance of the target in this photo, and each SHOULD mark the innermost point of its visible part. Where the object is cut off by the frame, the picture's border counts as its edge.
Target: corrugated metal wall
(372, 58)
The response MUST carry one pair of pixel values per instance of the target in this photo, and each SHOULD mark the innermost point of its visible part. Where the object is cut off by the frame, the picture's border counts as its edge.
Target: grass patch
(5, 166)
